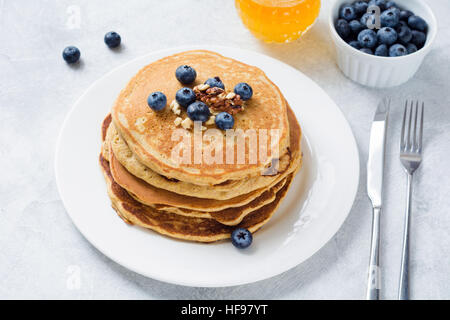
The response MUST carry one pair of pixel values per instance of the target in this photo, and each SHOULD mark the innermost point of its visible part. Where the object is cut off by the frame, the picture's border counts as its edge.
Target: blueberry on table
(418, 38)
(244, 90)
(382, 50)
(378, 3)
(185, 74)
(417, 23)
(71, 54)
(397, 50)
(356, 26)
(347, 12)
(366, 50)
(343, 28)
(411, 47)
(405, 14)
(367, 38)
(355, 44)
(390, 18)
(241, 238)
(224, 121)
(360, 7)
(387, 36)
(198, 111)
(112, 39)
(404, 34)
(157, 100)
(215, 82)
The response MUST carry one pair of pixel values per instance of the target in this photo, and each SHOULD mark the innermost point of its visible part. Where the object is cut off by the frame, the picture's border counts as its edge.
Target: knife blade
(375, 163)
(375, 169)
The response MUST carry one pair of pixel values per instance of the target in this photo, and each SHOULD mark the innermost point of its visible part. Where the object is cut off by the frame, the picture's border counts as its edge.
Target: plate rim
(217, 48)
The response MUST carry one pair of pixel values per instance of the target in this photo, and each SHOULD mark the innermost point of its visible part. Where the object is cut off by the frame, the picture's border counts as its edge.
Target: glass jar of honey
(278, 20)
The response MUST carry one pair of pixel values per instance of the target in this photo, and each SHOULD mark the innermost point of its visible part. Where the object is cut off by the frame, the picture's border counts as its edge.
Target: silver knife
(375, 168)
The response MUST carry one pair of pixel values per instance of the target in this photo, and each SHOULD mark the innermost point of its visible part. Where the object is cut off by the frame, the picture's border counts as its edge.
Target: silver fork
(410, 157)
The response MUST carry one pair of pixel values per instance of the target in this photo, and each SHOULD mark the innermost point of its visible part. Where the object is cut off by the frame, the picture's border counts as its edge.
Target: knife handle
(374, 283)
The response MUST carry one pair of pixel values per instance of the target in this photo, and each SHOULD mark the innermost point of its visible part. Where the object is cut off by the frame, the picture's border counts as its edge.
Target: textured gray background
(39, 245)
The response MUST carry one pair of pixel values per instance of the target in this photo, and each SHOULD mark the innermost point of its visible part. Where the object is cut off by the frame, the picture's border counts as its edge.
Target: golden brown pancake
(178, 226)
(148, 133)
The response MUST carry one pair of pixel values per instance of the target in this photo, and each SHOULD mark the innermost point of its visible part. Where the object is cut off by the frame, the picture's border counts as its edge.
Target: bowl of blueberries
(381, 43)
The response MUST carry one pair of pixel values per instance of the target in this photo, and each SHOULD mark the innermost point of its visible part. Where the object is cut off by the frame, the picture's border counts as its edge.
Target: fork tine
(419, 145)
(408, 136)
(414, 136)
(402, 136)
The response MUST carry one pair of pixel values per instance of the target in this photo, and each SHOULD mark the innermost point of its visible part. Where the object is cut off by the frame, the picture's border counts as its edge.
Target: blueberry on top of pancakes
(185, 74)
(215, 82)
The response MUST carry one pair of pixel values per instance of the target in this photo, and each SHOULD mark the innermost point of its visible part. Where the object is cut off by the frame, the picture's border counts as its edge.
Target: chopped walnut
(218, 100)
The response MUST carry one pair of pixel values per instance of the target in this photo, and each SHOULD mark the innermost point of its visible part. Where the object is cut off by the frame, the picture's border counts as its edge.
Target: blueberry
(382, 50)
(367, 38)
(198, 111)
(418, 38)
(224, 121)
(112, 39)
(366, 50)
(404, 34)
(185, 96)
(355, 44)
(411, 48)
(356, 26)
(417, 23)
(360, 7)
(347, 12)
(71, 54)
(378, 3)
(215, 82)
(244, 90)
(157, 100)
(397, 50)
(241, 238)
(391, 4)
(185, 74)
(387, 36)
(405, 14)
(343, 28)
(390, 18)
(365, 19)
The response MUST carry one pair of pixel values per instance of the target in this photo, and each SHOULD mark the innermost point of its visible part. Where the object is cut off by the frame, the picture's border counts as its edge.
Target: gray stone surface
(40, 249)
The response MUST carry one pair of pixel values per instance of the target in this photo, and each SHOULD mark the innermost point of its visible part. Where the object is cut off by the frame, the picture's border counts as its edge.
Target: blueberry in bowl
(385, 46)
(396, 24)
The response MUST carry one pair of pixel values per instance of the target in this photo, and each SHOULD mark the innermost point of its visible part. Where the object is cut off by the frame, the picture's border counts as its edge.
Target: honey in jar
(278, 20)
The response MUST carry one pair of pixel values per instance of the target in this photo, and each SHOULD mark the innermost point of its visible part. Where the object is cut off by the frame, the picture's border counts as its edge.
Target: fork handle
(373, 283)
(403, 290)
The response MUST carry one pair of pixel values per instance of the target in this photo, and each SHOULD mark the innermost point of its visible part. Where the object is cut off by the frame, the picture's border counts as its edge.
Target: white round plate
(316, 206)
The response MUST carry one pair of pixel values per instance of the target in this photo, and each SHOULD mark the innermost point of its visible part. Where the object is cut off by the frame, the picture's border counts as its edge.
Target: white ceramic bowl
(382, 72)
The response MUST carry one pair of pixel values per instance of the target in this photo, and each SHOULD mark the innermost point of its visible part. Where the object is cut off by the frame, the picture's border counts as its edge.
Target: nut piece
(177, 121)
(211, 120)
(186, 123)
(218, 100)
(202, 87)
(175, 107)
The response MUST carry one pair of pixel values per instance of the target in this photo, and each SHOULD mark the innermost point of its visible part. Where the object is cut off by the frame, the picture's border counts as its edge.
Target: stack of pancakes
(196, 201)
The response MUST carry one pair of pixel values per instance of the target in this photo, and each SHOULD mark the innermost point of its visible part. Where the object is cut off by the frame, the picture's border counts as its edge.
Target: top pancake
(148, 133)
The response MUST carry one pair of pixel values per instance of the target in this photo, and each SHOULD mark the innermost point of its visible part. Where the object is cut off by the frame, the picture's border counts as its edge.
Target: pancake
(224, 191)
(230, 216)
(148, 133)
(178, 226)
